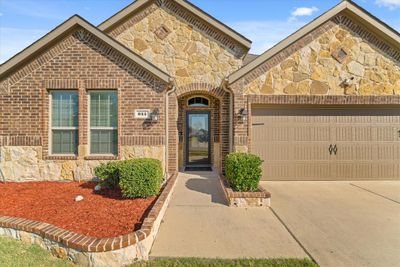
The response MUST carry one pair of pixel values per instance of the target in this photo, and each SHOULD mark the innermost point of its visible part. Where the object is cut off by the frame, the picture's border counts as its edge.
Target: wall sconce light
(242, 114)
(155, 115)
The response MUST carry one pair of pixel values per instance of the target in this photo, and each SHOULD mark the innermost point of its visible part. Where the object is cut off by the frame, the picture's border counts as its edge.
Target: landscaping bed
(100, 214)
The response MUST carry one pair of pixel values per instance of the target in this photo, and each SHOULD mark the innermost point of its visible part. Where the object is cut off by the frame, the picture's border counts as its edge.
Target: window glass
(198, 102)
(64, 122)
(103, 123)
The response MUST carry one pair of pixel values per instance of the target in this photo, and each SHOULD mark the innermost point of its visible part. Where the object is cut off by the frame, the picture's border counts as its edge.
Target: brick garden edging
(91, 251)
(261, 198)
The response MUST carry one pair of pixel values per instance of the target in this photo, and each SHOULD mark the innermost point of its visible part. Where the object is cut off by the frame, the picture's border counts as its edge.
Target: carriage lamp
(155, 115)
(242, 114)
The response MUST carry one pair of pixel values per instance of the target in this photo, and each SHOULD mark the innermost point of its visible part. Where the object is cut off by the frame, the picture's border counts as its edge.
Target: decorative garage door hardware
(333, 149)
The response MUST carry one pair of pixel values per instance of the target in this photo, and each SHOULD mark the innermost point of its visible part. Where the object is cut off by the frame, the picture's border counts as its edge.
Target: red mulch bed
(104, 214)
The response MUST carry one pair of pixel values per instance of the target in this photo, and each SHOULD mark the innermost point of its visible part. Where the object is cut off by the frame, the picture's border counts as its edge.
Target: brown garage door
(333, 143)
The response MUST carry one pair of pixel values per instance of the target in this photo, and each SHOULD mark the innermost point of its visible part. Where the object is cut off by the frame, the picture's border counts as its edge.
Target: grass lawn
(195, 262)
(17, 254)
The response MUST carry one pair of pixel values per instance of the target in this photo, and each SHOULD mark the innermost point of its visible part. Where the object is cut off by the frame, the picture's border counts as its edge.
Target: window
(104, 123)
(64, 123)
(198, 102)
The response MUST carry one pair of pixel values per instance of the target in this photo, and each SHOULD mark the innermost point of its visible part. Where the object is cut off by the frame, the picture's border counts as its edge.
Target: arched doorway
(199, 123)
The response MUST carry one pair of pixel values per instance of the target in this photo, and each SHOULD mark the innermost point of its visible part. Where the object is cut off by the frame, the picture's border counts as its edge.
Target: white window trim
(51, 128)
(100, 128)
(201, 96)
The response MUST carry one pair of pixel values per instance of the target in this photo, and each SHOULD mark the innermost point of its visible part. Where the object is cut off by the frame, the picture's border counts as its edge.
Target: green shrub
(243, 171)
(141, 178)
(108, 173)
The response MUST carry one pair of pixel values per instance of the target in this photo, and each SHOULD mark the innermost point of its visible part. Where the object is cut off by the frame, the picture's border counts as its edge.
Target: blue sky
(265, 22)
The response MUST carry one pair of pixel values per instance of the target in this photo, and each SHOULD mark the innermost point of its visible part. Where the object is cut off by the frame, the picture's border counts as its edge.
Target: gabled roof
(55, 35)
(347, 8)
(140, 4)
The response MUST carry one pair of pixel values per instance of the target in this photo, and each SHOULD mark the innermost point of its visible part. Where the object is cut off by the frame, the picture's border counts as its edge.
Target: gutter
(171, 89)
(226, 88)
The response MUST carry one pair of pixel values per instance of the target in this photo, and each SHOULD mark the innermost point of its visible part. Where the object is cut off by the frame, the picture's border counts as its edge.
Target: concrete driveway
(342, 223)
(198, 223)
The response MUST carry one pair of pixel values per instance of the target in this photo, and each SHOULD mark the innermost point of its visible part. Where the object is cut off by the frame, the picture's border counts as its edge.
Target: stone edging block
(261, 198)
(91, 251)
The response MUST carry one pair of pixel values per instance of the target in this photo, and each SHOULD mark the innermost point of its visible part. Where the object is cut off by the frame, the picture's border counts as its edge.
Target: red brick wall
(79, 63)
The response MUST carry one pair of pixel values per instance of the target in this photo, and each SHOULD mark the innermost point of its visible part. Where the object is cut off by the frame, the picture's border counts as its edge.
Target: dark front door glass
(198, 138)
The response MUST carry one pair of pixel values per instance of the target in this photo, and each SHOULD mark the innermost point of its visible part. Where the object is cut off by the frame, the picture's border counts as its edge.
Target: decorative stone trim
(20, 140)
(324, 100)
(4, 86)
(261, 198)
(142, 140)
(91, 251)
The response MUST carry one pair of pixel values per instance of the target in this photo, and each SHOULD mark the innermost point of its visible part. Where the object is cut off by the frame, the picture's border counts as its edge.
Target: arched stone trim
(200, 88)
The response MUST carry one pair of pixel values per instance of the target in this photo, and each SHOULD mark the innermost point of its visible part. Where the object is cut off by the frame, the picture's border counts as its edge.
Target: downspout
(226, 88)
(171, 89)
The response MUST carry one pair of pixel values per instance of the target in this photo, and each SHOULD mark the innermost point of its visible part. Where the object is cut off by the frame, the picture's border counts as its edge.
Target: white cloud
(13, 40)
(303, 11)
(266, 34)
(391, 4)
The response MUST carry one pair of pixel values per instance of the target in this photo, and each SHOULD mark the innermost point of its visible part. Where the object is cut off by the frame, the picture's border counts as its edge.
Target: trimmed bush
(108, 173)
(140, 178)
(243, 171)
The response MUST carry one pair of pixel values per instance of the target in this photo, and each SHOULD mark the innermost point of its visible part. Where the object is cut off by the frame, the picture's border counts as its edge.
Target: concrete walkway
(199, 224)
(342, 223)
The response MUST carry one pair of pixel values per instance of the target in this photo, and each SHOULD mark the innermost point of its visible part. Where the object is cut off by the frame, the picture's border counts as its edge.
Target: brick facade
(198, 57)
(25, 108)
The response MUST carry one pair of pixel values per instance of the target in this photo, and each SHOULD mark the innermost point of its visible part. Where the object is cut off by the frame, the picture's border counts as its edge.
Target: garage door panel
(278, 134)
(312, 171)
(308, 152)
(388, 133)
(295, 143)
(312, 134)
(387, 152)
(276, 152)
(275, 171)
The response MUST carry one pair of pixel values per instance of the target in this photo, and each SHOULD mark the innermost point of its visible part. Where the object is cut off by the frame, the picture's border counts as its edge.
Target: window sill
(61, 157)
(101, 157)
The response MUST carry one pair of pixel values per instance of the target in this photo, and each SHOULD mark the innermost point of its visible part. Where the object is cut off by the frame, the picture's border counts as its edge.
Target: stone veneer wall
(78, 62)
(186, 52)
(308, 68)
(313, 70)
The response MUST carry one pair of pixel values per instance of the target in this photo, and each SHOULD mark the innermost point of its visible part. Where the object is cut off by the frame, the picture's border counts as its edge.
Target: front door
(198, 138)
